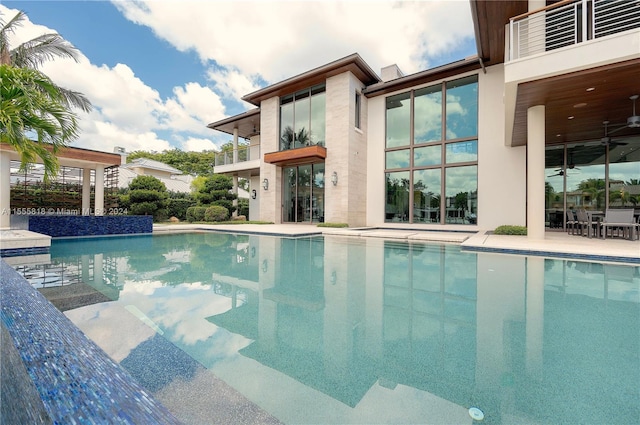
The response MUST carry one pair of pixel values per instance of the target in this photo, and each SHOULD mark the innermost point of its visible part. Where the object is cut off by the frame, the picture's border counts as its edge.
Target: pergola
(85, 159)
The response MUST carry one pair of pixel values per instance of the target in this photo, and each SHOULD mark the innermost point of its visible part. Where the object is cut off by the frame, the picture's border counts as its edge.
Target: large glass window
(423, 163)
(578, 176)
(303, 193)
(397, 207)
(398, 120)
(302, 118)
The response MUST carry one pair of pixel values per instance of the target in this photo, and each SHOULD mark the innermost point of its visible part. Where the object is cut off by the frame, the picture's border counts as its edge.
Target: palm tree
(595, 188)
(31, 104)
(35, 52)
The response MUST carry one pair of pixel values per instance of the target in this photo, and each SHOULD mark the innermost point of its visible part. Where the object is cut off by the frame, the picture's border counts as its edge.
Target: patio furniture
(619, 220)
(572, 222)
(586, 224)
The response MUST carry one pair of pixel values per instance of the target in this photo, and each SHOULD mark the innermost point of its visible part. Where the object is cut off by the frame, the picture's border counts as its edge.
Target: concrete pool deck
(555, 243)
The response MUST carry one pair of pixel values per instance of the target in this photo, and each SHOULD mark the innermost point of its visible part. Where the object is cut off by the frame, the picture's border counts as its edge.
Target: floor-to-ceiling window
(432, 150)
(303, 193)
(302, 118)
(592, 176)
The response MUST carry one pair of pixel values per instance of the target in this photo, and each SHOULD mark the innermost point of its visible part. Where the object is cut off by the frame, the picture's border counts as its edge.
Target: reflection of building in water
(509, 334)
(76, 281)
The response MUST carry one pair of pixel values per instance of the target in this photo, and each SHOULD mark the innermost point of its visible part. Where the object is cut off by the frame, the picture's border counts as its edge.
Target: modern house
(547, 107)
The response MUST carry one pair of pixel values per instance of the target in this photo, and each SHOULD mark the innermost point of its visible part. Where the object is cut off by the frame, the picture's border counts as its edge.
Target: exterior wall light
(265, 184)
(334, 178)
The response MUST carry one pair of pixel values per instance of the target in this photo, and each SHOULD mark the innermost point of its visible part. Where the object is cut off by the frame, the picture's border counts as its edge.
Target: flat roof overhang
(247, 123)
(423, 77)
(72, 156)
(590, 96)
(353, 63)
(300, 156)
(490, 18)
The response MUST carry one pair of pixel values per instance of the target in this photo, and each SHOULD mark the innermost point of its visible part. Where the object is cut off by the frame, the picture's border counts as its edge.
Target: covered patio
(91, 165)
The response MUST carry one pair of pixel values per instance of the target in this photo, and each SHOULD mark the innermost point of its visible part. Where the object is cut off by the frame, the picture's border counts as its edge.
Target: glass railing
(242, 154)
(570, 23)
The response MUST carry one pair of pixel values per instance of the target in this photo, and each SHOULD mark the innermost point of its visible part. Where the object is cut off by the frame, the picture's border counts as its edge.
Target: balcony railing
(568, 23)
(242, 154)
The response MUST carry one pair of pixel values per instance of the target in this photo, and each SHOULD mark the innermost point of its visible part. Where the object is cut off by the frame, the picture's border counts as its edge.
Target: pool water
(330, 330)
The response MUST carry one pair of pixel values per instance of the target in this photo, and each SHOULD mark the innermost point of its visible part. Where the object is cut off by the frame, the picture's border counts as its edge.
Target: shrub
(195, 214)
(216, 213)
(333, 225)
(243, 207)
(177, 207)
(511, 230)
(226, 203)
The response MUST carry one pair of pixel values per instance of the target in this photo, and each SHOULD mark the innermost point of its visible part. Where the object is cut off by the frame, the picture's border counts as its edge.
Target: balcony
(569, 23)
(241, 159)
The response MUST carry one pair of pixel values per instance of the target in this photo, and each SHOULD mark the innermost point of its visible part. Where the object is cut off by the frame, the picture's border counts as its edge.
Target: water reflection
(365, 330)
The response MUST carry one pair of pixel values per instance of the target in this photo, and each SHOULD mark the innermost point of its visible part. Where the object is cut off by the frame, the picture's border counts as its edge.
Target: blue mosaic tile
(89, 225)
(77, 382)
(14, 252)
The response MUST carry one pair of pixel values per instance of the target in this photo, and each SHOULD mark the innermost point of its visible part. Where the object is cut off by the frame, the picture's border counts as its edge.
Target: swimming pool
(332, 330)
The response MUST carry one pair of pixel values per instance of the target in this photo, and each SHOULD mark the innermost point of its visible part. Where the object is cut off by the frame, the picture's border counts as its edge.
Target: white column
(99, 192)
(534, 319)
(5, 189)
(235, 190)
(235, 145)
(535, 171)
(86, 191)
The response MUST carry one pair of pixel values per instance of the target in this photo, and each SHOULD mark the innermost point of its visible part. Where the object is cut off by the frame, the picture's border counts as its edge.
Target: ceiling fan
(607, 140)
(632, 122)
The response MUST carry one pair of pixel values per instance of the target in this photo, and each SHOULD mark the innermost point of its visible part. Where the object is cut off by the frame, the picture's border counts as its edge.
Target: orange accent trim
(305, 155)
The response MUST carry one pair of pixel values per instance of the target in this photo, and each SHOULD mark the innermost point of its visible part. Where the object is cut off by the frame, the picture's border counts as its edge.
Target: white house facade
(546, 109)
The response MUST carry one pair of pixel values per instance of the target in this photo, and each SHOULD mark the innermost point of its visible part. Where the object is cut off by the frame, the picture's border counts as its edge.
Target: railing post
(585, 20)
(511, 39)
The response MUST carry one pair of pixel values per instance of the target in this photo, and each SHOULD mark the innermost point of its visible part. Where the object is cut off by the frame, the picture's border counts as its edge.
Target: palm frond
(5, 30)
(35, 52)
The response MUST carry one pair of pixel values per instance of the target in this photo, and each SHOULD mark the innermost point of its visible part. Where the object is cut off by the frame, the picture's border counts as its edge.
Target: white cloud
(127, 112)
(198, 145)
(278, 39)
(231, 83)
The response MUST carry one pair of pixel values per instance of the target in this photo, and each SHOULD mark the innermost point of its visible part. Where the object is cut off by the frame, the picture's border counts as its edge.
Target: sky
(157, 72)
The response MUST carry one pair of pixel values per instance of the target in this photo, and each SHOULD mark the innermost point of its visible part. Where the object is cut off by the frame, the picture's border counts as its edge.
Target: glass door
(303, 194)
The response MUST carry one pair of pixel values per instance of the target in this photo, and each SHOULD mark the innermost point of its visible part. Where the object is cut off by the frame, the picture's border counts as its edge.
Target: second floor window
(302, 118)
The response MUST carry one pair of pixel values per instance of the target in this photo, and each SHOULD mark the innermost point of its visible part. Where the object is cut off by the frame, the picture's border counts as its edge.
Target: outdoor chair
(583, 223)
(619, 220)
(572, 222)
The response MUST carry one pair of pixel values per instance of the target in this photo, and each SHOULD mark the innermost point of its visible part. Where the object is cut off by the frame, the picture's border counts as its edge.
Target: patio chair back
(619, 218)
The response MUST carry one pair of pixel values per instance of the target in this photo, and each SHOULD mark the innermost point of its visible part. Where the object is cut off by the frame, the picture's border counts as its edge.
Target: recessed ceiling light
(571, 117)
(591, 89)
(558, 135)
(580, 105)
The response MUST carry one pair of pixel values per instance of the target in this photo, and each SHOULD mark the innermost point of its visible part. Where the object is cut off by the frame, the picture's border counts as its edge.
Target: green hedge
(216, 213)
(510, 230)
(195, 214)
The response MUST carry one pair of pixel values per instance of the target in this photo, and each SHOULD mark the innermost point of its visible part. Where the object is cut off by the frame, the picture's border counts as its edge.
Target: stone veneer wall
(75, 381)
(89, 225)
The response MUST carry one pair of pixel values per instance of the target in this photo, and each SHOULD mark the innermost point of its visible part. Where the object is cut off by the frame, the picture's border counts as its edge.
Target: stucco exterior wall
(501, 200)
(375, 160)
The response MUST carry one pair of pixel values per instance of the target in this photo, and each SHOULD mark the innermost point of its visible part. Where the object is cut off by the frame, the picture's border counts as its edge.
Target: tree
(217, 191)
(35, 52)
(595, 188)
(195, 163)
(148, 196)
(31, 105)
